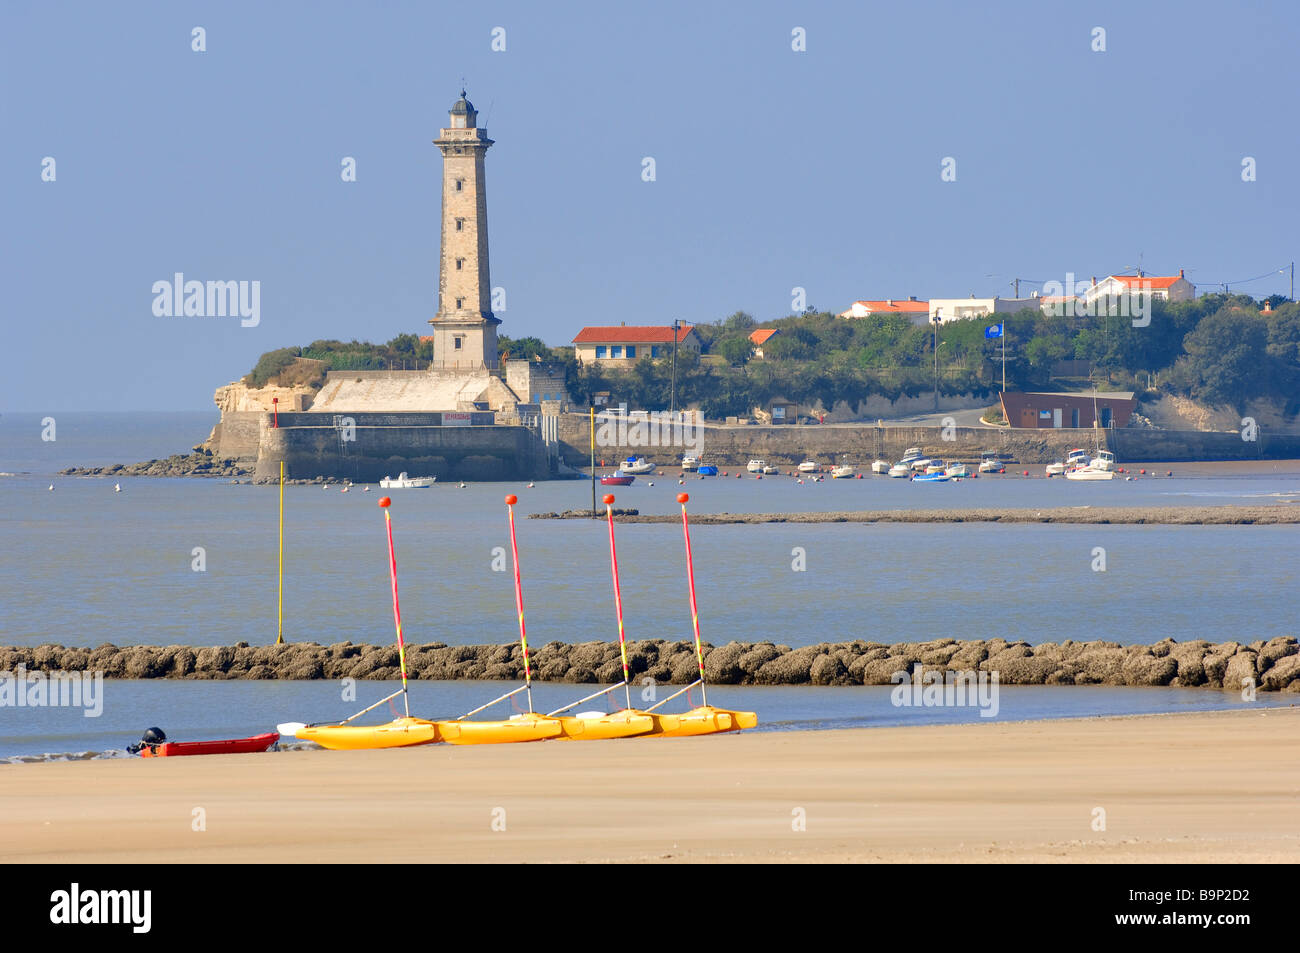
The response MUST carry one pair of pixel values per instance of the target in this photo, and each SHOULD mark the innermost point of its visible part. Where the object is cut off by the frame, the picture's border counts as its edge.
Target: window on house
(460, 263)
(654, 350)
(458, 343)
(459, 304)
(616, 350)
(600, 350)
(631, 350)
(460, 224)
(459, 183)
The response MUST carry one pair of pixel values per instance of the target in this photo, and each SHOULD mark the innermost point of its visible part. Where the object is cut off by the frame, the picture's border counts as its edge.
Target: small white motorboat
(690, 464)
(770, 469)
(913, 454)
(755, 466)
(991, 462)
(636, 465)
(810, 466)
(845, 471)
(919, 464)
(939, 477)
(1089, 473)
(880, 466)
(936, 466)
(1055, 469)
(405, 482)
(957, 471)
(1104, 460)
(900, 471)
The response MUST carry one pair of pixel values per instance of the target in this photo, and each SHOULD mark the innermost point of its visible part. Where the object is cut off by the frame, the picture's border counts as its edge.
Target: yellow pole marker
(279, 630)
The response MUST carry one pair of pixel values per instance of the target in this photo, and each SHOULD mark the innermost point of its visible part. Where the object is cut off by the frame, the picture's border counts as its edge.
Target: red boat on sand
(617, 478)
(155, 745)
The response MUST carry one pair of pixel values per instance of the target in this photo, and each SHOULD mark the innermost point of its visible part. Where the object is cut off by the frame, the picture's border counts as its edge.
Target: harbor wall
(788, 445)
(366, 447)
(312, 446)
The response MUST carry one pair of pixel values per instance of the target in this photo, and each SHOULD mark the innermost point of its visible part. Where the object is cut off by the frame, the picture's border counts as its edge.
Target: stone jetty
(1272, 665)
(1273, 514)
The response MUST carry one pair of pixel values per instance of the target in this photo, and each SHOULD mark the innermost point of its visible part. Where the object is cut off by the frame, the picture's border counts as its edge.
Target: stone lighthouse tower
(464, 329)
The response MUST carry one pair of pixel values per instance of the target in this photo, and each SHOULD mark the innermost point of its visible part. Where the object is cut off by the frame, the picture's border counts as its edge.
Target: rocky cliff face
(1181, 413)
(236, 397)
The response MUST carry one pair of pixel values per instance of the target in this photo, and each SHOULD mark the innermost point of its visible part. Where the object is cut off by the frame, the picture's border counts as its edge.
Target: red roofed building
(621, 343)
(761, 337)
(1166, 288)
(918, 311)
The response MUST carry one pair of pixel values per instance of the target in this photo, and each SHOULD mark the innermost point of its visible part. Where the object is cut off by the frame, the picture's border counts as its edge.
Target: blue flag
(993, 332)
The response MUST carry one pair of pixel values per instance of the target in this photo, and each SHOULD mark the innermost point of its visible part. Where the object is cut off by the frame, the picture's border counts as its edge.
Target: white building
(943, 310)
(1164, 288)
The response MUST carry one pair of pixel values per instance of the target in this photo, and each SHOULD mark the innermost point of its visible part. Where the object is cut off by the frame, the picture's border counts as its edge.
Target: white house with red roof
(761, 336)
(622, 344)
(1165, 288)
(918, 311)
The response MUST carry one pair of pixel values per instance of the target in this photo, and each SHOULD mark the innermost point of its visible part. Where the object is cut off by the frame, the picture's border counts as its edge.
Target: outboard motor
(152, 738)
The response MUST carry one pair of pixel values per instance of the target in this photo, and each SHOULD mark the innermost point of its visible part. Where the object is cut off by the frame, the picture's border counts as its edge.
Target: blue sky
(775, 169)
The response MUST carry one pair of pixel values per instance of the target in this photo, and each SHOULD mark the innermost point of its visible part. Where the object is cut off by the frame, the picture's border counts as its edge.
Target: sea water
(193, 561)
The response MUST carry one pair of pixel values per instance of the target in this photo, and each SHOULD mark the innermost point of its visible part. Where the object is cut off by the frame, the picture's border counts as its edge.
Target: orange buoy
(683, 497)
(512, 499)
(1026, 473)
(607, 498)
(385, 501)
(1143, 471)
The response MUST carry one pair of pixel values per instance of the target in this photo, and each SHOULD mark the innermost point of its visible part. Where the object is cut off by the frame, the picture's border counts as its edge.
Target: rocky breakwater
(1272, 665)
(200, 463)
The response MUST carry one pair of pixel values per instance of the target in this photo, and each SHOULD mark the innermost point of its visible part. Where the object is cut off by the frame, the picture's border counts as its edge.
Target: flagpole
(608, 500)
(1003, 335)
(397, 612)
(519, 601)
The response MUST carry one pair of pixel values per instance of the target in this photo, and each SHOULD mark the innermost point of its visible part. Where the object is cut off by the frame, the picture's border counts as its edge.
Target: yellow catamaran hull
(705, 720)
(399, 733)
(619, 724)
(529, 727)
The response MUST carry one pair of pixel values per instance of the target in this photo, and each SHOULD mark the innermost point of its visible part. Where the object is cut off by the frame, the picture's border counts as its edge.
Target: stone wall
(786, 446)
(386, 444)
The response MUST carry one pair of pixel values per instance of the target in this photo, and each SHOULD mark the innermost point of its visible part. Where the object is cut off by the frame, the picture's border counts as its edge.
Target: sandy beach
(1218, 787)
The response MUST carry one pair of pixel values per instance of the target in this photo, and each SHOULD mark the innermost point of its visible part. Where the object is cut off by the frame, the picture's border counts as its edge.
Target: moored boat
(1104, 460)
(1089, 473)
(880, 466)
(957, 471)
(939, 477)
(707, 469)
(637, 465)
(809, 466)
(771, 469)
(900, 471)
(755, 466)
(936, 466)
(845, 471)
(404, 482)
(690, 463)
(617, 478)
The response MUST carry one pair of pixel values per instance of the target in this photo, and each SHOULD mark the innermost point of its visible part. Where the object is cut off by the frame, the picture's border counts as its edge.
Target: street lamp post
(935, 322)
(672, 402)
